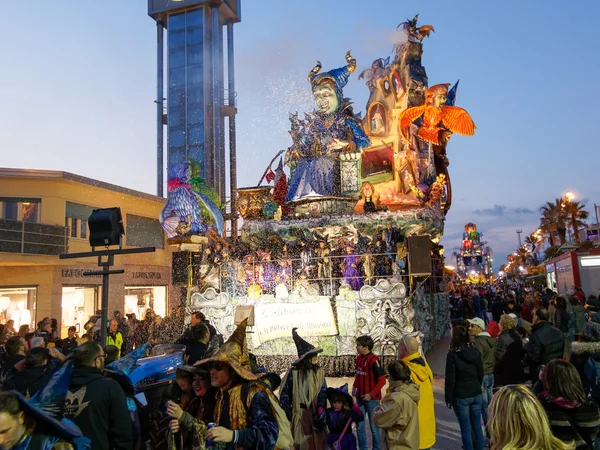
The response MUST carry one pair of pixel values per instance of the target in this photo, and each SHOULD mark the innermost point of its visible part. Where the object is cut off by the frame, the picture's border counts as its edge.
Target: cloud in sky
(502, 211)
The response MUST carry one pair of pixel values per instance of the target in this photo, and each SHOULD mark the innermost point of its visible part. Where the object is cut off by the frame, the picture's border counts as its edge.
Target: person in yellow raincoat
(421, 374)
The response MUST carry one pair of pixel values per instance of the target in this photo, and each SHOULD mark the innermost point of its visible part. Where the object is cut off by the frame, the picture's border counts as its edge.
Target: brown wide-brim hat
(234, 353)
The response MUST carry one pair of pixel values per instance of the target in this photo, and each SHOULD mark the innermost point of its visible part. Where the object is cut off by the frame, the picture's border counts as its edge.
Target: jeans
(468, 413)
(487, 393)
(367, 408)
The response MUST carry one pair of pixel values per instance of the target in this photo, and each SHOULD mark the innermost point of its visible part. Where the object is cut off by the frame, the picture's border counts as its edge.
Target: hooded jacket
(398, 416)
(421, 374)
(26, 382)
(485, 344)
(580, 353)
(97, 406)
(464, 374)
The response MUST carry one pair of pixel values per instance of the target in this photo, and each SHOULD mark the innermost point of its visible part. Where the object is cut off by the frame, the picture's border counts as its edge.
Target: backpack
(591, 377)
(285, 440)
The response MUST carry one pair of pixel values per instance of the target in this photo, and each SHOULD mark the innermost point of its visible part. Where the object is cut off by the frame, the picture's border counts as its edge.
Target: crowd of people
(529, 351)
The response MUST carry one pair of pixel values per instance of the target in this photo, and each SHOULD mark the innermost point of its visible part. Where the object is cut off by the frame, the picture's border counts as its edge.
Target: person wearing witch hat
(340, 415)
(38, 424)
(244, 414)
(303, 396)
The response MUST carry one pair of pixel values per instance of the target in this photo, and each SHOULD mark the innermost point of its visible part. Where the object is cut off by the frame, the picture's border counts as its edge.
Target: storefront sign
(147, 275)
(77, 273)
(276, 320)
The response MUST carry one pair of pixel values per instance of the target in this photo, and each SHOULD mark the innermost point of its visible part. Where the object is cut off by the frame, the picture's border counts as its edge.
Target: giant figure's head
(437, 95)
(328, 87)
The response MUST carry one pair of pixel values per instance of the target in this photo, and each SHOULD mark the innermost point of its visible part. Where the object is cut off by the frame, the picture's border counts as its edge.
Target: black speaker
(419, 255)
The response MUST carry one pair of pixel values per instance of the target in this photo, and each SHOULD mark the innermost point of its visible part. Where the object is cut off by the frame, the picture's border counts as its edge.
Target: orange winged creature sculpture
(439, 120)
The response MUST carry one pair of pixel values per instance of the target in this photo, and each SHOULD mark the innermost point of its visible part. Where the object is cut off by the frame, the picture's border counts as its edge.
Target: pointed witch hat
(120, 369)
(305, 349)
(48, 404)
(234, 353)
(341, 394)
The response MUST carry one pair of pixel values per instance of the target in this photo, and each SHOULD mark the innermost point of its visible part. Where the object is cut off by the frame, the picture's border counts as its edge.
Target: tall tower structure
(197, 99)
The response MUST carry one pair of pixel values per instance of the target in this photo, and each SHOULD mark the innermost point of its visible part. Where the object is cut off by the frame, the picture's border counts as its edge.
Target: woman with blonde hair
(517, 421)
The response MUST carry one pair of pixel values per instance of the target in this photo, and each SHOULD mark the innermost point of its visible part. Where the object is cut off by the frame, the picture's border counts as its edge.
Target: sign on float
(276, 320)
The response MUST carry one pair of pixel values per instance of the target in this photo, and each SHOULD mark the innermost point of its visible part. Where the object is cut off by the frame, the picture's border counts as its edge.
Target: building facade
(44, 214)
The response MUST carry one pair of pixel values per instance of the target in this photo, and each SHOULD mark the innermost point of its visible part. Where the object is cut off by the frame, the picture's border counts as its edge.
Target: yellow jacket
(422, 375)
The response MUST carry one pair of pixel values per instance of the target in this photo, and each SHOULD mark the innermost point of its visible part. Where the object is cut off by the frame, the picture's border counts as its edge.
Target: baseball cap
(477, 321)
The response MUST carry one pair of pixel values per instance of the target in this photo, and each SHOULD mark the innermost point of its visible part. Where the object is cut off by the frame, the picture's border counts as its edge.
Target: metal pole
(232, 143)
(216, 99)
(105, 274)
(159, 107)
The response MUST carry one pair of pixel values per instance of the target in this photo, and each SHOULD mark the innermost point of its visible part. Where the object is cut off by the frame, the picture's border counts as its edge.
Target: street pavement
(447, 429)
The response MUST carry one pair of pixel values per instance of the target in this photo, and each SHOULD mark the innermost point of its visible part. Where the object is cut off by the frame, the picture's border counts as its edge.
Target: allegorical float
(474, 258)
(326, 232)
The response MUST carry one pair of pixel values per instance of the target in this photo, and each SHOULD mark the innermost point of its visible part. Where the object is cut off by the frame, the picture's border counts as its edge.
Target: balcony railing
(32, 238)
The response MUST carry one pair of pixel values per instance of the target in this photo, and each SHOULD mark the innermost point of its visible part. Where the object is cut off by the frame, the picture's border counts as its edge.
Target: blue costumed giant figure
(318, 141)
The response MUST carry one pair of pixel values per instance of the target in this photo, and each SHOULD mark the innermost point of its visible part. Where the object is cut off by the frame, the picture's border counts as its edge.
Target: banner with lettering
(276, 320)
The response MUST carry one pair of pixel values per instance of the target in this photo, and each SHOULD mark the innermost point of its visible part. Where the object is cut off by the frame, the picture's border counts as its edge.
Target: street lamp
(569, 196)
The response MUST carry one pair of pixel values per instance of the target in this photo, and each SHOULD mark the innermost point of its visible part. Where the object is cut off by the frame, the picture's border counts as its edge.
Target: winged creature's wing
(367, 74)
(214, 211)
(408, 116)
(425, 30)
(458, 120)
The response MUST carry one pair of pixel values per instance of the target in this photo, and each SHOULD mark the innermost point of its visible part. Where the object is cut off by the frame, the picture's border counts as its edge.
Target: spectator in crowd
(486, 345)
(188, 425)
(552, 310)
(196, 347)
(36, 342)
(254, 425)
(114, 336)
(196, 318)
(70, 343)
(397, 414)
(112, 354)
(508, 354)
(421, 374)
(16, 349)
(35, 374)
(578, 318)
(562, 318)
(545, 344)
(368, 382)
(518, 421)
(123, 328)
(593, 300)
(182, 392)
(572, 415)
(86, 337)
(23, 330)
(340, 415)
(304, 396)
(464, 376)
(585, 357)
(45, 330)
(10, 328)
(105, 419)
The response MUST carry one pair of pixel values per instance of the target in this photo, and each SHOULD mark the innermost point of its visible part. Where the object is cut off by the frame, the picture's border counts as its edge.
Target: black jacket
(97, 406)
(8, 366)
(27, 382)
(69, 344)
(546, 343)
(498, 308)
(464, 374)
(194, 350)
(562, 320)
(509, 354)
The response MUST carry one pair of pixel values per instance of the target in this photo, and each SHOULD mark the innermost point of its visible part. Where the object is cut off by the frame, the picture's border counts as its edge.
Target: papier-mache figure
(318, 140)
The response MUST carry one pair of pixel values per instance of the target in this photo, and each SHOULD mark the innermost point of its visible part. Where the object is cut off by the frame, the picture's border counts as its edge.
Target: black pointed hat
(305, 349)
(340, 394)
(48, 404)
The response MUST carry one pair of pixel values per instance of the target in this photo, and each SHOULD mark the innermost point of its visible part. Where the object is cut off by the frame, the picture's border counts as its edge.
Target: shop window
(73, 228)
(138, 299)
(144, 232)
(19, 304)
(83, 229)
(79, 303)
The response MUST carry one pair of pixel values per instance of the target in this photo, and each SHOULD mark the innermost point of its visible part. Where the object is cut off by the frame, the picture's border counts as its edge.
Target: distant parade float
(474, 258)
(327, 248)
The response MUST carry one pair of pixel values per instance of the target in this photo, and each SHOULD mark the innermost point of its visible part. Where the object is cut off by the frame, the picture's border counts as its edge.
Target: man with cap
(38, 423)
(485, 344)
(243, 412)
(304, 396)
(421, 374)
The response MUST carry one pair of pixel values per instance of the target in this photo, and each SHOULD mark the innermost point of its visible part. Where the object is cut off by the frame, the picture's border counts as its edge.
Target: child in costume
(340, 415)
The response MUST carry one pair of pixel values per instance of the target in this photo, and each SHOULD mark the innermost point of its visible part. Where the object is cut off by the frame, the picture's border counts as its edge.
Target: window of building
(25, 209)
(139, 299)
(19, 304)
(143, 232)
(79, 303)
(76, 219)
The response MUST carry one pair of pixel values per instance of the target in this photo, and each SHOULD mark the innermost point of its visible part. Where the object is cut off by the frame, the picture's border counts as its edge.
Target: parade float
(324, 247)
(474, 258)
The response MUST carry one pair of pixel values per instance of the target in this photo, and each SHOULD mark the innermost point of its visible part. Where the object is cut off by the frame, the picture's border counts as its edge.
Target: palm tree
(554, 218)
(576, 214)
